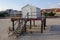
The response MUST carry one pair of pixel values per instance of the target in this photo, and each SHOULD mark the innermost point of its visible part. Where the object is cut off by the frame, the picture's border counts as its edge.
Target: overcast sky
(18, 4)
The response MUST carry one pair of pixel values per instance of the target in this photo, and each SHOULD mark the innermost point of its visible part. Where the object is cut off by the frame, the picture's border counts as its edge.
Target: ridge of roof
(30, 5)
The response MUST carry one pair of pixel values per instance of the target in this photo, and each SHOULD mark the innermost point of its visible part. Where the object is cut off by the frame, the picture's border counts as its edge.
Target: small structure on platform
(30, 15)
(32, 11)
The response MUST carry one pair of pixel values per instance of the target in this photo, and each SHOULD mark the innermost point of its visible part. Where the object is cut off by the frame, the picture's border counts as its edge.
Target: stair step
(36, 27)
(17, 32)
(33, 30)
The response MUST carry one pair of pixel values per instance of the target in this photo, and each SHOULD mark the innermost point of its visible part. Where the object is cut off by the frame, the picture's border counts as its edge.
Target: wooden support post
(34, 23)
(19, 23)
(25, 26)
(13, 25)
(41, 26)
(44, 23)
(30, 24)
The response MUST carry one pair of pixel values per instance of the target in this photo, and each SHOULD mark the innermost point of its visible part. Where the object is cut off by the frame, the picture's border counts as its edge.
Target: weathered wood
(25, 25)
(44, 23)
(18, 23)
(25, 18)
(30, 24)
(25, 21)
(13, 25)
(23, 30)
(33, 30)
(34, 23)
(42, 26)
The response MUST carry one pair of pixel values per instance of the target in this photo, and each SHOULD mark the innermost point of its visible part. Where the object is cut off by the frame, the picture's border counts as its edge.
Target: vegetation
(49, 14)
(3, 14)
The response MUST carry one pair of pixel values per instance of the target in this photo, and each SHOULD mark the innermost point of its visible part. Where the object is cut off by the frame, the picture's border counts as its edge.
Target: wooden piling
(34, 23)
(44, 23)
(42, 26)
(13, 25)
(30, 24)
(19, 23)
(25, 25)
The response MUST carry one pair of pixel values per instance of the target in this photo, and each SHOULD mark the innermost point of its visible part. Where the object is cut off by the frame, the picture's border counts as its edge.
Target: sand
(5, 23)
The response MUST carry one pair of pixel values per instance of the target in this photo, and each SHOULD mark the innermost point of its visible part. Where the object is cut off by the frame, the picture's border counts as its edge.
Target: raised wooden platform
(18, 18)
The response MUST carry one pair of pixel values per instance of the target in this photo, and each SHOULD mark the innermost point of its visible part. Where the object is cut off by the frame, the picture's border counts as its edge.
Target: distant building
(12, 12)
(19, 14)
(32, 11)
(55, 10)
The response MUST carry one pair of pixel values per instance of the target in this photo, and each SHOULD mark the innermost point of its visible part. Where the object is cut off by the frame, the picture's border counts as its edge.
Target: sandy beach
(5, 23)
